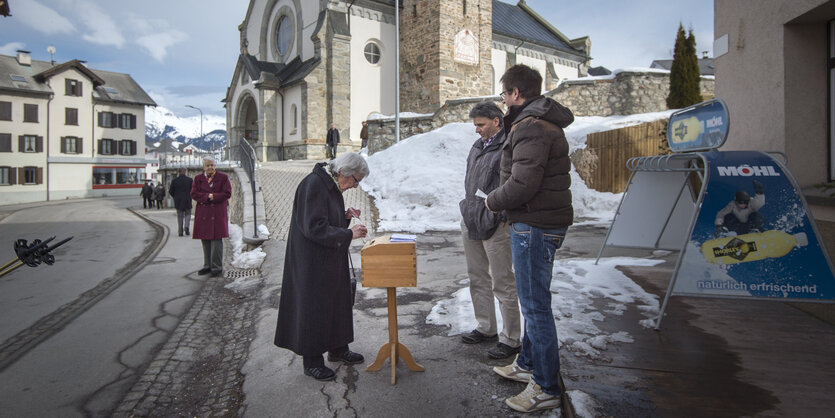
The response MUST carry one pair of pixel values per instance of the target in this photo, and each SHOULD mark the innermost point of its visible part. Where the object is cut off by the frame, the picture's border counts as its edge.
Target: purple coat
(211, 220)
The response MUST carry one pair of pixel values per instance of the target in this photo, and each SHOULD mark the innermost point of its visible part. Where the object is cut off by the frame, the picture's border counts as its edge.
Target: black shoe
(475, 337)
(217, 273)
(204, 271)
(502, 350)
(187, 231)
(320, 373)
(180, 234)
(348, 357)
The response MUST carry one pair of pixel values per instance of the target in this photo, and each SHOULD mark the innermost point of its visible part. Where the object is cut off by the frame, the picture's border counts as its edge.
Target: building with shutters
(68, 131)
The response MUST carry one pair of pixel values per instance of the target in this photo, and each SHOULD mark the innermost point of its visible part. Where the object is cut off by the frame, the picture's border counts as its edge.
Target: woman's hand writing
(359, 231)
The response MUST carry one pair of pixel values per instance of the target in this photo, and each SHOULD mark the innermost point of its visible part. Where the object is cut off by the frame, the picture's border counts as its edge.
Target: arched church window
(295, 112)
(372, 52)
(284, 34)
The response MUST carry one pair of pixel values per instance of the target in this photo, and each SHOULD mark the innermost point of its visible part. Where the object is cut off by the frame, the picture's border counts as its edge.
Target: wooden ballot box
(390, 264)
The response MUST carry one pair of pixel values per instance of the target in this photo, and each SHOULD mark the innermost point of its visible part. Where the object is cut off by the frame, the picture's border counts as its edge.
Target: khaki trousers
(486, 258)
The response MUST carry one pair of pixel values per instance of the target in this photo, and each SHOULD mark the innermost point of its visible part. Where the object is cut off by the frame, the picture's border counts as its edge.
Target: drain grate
(241, 273)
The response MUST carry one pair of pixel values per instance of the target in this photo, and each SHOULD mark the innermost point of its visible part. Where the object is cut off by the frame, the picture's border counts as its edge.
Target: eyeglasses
(505, 93)
(355, 179)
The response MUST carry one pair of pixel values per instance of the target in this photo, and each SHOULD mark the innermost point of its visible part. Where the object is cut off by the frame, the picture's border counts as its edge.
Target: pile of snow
(418, 182)
(245, 259)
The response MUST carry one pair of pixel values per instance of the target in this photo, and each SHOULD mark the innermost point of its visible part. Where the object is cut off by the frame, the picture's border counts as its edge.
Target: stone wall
(419, 54)
(627, 93)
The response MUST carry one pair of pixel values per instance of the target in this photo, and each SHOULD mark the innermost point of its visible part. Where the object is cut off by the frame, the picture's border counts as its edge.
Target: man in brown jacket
(535, 196)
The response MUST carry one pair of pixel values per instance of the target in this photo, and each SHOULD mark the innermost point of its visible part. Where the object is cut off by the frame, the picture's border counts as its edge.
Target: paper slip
(403, 238)
(481, 194)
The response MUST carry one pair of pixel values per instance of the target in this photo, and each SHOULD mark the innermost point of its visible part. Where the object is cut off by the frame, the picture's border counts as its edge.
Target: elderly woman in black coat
(315, 310)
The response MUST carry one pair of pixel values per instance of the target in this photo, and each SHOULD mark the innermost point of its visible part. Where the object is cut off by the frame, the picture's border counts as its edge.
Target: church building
(308, 65)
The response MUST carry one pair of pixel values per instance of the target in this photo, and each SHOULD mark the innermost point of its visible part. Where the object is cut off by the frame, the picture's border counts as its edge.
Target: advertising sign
(753, 236)
(700, 127)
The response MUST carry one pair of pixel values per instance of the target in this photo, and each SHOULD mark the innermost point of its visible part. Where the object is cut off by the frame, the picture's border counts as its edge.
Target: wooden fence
(613, 148)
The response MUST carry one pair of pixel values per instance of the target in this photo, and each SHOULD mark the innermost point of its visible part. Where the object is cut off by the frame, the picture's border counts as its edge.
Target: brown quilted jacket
(535, 166)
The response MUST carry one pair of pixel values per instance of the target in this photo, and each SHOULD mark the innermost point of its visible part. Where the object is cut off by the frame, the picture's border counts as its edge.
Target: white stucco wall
(372, 85)
(564, 71)
(499, 61)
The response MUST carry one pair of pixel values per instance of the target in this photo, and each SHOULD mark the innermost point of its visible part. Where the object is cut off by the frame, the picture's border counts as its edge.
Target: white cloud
(157, 44)
(41, 18)
(104, 29)
(11, 48)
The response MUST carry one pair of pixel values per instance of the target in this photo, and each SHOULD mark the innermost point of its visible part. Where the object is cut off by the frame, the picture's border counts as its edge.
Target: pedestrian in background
(147, 194)
(364, 134)
(332, 141)
(159, 194)
(536, 198)
(315, 313)
(180, 190)
(487, 240)
(211, 191)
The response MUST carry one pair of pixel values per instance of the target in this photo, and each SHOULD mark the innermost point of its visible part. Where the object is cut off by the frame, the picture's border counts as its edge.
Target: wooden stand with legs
(390, 264)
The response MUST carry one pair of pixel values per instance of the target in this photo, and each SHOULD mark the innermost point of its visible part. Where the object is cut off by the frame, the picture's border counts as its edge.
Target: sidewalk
(712, 357)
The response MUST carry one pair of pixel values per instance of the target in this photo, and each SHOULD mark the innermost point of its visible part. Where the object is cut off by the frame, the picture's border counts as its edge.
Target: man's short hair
(181, 170)
(524, 78)
(487, 110)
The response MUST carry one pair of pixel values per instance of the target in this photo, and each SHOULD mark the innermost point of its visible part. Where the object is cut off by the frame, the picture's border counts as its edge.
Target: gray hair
(349, 164)
(487, 110)
(207, 158)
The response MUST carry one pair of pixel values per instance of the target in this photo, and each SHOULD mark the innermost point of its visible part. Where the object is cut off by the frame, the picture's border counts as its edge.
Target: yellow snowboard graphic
(752, 247)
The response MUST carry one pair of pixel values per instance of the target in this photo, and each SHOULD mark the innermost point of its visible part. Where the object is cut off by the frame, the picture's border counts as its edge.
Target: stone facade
(625, 94)
(429, 73)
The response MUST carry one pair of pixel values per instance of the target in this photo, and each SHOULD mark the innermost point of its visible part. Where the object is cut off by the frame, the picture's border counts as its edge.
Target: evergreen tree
(684, 74)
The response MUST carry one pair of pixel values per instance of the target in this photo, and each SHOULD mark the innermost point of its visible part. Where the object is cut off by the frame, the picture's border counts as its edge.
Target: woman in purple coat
(211, 190)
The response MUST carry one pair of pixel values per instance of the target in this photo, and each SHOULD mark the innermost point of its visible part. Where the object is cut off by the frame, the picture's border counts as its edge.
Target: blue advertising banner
(700, 127)
(753, 236)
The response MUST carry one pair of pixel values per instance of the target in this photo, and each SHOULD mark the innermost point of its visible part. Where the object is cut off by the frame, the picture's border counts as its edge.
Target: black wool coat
(315, 310)
(180, 190)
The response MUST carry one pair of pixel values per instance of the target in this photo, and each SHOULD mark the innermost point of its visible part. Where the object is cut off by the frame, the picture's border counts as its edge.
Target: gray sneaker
(513, 372)
(533, 399)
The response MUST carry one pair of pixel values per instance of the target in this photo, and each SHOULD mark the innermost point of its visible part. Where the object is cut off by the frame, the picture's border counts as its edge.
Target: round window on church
(372, 53)
(284, 34)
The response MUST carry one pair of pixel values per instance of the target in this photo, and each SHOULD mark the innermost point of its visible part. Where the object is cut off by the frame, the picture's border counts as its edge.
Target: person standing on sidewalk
(180, 190)
(364, 134)
(332, 141)
(536, 197)
(315, 312)
(147, 194)
(159, 194)
(211, 190)
(487, 239)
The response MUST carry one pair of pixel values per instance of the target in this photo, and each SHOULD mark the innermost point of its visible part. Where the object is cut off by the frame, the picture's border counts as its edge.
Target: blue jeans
(533, 261)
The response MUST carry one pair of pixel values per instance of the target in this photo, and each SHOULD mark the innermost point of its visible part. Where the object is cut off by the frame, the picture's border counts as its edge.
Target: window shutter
(101, 119)
(78, 145)
(114, 120)
(39, 179)
(68, 87)
(39, 144)
(133, 146)
(78, 88)
(5, 142)
(21, 143)
(12, 175)
(99, 143)
(63, 145)
(133, 123)
(21, 175)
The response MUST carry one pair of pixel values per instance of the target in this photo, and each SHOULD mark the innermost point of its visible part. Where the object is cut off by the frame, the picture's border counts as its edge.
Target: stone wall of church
(419, 55)
(626, 94)
(462, 79)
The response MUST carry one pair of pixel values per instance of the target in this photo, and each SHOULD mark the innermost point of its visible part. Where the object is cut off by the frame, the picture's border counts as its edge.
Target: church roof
(286, 73)
(522, 23)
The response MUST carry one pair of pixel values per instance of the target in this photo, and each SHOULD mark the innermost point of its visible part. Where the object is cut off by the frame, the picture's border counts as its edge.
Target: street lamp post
(201, 126)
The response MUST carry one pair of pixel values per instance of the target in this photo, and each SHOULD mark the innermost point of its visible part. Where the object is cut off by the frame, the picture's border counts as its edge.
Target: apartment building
(68, 131)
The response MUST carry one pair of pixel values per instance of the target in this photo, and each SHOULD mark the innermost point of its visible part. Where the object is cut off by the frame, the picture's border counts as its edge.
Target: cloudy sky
(184, 51)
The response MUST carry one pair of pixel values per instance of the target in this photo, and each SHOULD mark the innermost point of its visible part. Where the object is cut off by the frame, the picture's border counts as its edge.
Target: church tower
(445, 52)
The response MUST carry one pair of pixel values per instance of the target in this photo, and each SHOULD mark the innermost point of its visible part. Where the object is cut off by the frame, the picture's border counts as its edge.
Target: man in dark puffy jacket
(487, 240)
(535, 196)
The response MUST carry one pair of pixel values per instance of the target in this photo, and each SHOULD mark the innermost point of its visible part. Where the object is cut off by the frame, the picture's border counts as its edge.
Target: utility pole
(201, 126)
